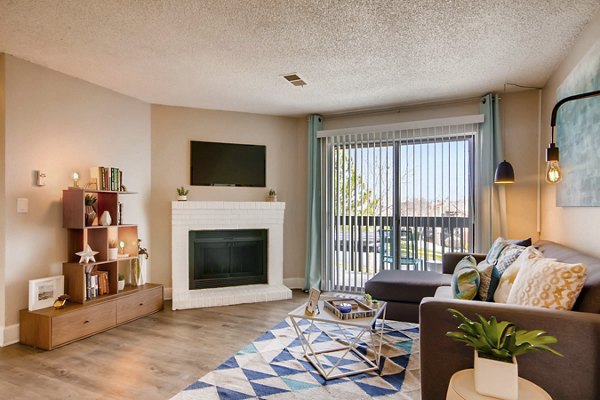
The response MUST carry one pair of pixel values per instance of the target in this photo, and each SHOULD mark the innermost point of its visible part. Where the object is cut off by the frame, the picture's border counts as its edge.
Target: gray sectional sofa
(574, 376)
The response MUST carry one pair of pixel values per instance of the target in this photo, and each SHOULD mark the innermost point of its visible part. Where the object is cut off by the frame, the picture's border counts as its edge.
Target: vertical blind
(395, 199)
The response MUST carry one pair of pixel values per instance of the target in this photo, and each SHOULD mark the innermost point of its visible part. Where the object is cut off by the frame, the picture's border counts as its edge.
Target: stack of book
(107, 178)
(96, 284)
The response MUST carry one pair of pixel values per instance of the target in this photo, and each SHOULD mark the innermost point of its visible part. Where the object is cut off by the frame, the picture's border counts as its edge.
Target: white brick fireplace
(189, 216)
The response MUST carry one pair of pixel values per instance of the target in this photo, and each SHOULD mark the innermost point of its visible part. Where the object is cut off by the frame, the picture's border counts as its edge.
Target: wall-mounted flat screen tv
(228, 164)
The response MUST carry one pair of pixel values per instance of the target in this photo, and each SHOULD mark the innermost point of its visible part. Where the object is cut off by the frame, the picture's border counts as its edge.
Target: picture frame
(313, 301)
(43, 291)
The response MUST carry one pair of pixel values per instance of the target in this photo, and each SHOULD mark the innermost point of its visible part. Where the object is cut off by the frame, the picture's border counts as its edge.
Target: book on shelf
(96, 283)
(107, 178)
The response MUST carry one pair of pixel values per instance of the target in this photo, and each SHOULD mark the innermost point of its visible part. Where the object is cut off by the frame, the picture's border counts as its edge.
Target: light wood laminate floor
(151, 358)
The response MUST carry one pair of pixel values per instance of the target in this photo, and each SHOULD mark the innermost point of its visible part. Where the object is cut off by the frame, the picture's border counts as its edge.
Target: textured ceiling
(230, 55)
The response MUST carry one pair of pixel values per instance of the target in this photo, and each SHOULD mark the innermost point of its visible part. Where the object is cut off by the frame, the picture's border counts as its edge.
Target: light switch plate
(22, 205)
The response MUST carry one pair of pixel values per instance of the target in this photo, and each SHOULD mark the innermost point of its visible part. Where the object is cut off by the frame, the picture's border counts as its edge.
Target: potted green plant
(272, 195)
(90, 209)
(182, 194)
(112, 250)
(496, 348)
(120, 282)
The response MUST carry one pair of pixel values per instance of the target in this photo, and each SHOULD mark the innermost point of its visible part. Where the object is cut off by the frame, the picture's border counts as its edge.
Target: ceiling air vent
(294, 79)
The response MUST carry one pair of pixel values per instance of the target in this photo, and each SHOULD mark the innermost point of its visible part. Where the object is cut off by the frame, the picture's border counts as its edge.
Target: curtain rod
(398, 109)
(400, 126)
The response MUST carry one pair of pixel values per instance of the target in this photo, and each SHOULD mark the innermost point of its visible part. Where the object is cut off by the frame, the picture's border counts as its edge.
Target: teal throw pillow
(499, 258)
(465, 280)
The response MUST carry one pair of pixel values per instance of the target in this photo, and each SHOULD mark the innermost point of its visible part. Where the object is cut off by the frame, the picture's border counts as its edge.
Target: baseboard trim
(291, 283)
(294, 283)
(9, 335)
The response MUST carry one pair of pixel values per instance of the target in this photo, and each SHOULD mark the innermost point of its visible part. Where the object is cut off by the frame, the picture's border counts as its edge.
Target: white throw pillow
(508, 277)
(548, 283)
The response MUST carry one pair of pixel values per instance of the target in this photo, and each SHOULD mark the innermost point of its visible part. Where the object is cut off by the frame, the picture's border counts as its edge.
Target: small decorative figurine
(87, 255)
(60, 302)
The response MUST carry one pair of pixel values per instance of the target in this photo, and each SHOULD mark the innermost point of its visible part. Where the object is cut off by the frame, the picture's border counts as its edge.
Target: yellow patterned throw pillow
(508, 277)
(548, 283)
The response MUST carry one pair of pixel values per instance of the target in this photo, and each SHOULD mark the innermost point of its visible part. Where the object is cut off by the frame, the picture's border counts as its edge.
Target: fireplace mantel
(189, 216)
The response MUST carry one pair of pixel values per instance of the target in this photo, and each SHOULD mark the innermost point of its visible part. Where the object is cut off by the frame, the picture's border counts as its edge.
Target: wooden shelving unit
(97, 237)
(83, 316)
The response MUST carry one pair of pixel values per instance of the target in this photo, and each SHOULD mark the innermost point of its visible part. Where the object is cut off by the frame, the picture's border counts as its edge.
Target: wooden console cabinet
(49, 328)
(85, 315)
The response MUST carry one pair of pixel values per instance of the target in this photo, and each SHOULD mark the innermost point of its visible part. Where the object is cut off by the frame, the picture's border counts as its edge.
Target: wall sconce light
(75, 176)
(553, 173)
(504, 173)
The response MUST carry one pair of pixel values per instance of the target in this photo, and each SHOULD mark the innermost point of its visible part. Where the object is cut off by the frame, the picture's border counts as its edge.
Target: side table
(462, 387)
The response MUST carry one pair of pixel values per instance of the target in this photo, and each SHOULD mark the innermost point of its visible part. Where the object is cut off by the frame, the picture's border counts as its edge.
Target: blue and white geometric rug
(273, 367)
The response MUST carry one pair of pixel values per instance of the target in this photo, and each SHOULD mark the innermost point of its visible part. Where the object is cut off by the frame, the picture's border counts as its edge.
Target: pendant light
(504, 173)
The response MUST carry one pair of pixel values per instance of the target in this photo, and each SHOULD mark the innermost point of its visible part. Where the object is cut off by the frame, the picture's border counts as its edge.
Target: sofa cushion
(523, 243)
(495, 251)
(444, 292)
(545, 282)
(589, 298)
(489, 277)
(508, 277)
(488, 274)
(465, 280)
(508, 257)
(405, 286)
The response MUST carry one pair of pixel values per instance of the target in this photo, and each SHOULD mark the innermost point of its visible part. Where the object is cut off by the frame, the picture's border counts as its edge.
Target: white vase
(181, 198)
(105, 219)
(112, 253)
(120, 285)
(143, 270)
(496, 378)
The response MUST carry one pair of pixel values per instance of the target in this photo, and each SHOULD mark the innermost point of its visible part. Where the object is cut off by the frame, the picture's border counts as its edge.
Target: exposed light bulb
(75, 176)
(553, 174)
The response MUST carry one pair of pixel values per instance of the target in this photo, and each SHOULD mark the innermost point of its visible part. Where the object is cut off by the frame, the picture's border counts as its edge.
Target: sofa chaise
(574, 376)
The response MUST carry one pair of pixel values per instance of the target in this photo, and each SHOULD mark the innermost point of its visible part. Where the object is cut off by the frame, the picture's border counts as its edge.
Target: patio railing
(363, 246)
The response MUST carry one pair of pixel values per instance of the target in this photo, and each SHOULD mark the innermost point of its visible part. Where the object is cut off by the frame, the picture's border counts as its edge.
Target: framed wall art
(43, 292)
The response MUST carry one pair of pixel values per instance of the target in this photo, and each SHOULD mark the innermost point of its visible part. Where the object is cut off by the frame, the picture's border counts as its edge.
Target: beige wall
(59, 124)
(575, 227)
(2, 196)
(172, 130)
(519, 118)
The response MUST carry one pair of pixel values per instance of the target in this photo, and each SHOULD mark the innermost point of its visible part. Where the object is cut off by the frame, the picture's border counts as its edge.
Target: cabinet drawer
(139, 304)
(83, 322)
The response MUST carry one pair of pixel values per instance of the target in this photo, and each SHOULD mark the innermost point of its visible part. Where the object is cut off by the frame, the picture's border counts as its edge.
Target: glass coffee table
(348, 338)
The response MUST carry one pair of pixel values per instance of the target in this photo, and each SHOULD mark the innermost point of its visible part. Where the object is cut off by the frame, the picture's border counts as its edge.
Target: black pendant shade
(504, 173)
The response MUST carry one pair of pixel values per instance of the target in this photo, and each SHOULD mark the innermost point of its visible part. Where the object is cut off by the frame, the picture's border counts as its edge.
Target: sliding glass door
(396, 200)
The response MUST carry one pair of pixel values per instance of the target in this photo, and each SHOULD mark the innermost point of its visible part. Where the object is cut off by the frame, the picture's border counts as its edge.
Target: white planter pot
(143, 270)
(181, 198)
(113, 253)
(496, 378)
(120, 285)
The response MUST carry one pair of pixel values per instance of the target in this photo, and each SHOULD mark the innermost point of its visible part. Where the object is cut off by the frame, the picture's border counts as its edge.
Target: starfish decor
(87, 255)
